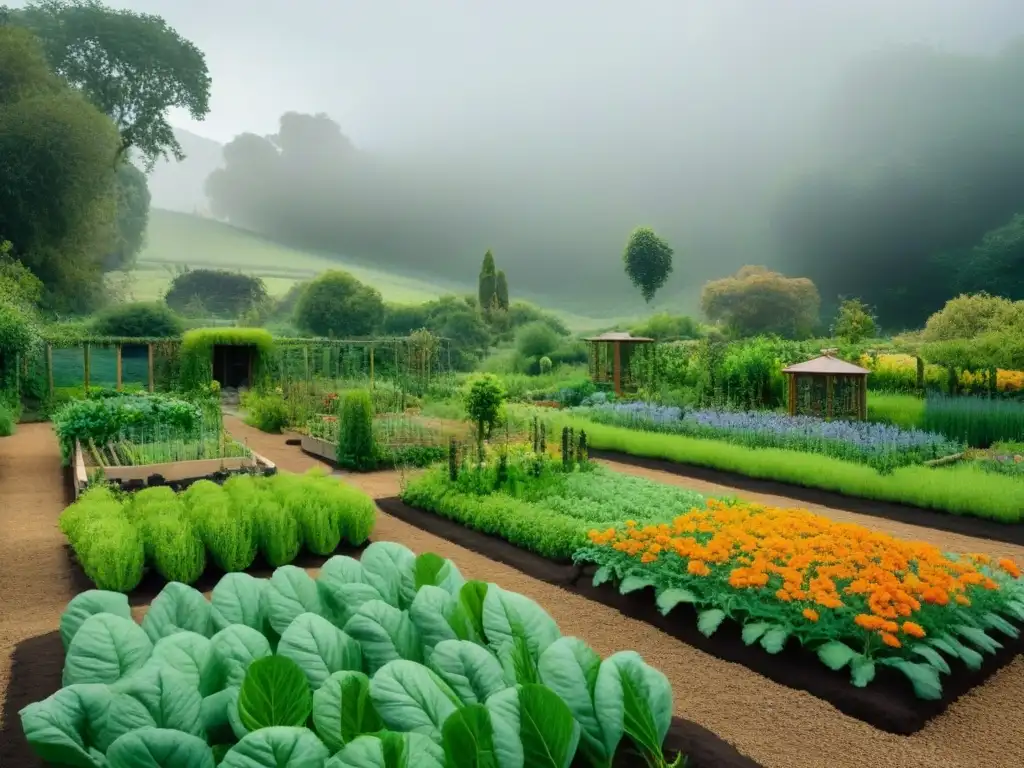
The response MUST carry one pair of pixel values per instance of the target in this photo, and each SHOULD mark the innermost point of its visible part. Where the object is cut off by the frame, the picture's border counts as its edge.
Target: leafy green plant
(483, 396)
(356, 445)
(6, 421)
(393, 660)
(268, 412)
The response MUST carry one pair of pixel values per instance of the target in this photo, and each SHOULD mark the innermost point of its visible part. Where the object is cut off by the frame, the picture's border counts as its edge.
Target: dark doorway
(232, 365)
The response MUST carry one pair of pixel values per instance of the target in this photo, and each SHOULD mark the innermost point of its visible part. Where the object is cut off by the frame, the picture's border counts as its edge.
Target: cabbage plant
(390, 661)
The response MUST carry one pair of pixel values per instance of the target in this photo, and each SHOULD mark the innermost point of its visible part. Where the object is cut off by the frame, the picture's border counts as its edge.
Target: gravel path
(777, 726)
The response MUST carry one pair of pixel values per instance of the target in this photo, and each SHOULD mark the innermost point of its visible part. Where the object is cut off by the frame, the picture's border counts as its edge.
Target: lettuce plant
(391, 661)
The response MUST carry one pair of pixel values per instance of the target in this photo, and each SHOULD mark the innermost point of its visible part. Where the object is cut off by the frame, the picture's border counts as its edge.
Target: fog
(549, 130)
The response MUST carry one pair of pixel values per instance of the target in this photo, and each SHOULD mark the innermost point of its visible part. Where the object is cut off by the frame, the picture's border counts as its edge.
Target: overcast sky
(415, 73)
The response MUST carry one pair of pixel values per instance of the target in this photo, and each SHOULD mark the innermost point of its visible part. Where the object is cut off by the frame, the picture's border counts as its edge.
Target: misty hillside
(179, 186)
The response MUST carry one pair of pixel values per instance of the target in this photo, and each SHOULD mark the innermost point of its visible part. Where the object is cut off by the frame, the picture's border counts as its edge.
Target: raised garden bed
(178, 474)
(320, 448)
(966, 525)
(888, 703)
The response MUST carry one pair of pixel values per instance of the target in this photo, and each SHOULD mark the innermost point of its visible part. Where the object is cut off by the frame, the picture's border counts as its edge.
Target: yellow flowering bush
(898, 372)
(858, 597)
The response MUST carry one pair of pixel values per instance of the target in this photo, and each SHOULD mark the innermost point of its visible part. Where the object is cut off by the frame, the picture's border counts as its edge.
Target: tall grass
(977, 421)
(959, 489)
(900, 410)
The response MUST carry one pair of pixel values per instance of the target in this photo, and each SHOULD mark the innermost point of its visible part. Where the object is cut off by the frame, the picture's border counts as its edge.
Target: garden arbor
(610, 356)
(828, 387)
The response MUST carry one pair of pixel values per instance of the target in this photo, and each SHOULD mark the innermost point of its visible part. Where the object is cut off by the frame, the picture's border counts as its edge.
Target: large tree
(57, 177)
(132, 66)
(337, 304)
(757, 300)
(132, 216)
(648, 261)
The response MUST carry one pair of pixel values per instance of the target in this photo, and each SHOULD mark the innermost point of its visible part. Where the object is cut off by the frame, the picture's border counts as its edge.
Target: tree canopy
(336, 304)
(648, 261)
(215, 291)
(757, 300)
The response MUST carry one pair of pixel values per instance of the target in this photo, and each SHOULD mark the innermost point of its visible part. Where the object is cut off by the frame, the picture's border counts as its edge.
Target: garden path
(777, 726)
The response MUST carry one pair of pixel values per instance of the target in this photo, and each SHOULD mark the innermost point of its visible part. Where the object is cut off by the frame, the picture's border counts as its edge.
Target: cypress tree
(487, 284)
(501, 290)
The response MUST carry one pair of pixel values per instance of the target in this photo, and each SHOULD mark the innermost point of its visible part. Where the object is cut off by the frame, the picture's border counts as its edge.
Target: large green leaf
(924, 678)
(178, 608)
(319, 648)
(509, 614)
(468, 739)
(634, 583)
(159, 748)
(390, 750)
(570, 668)
(342, 709)
(188, 654)
(389, 568)
(932, 656)
(169, 698)
(862, 671)
(669, 598)
(105, 649)
(532, 726)
(232, 650)
(238, 599)
(58, 727)
(411, 698)
(89, 603)
(978, 638)
(471, 671)
(342, 601)
(969, 656)
(753, 631)
(384, 634)
(341, 569)
(433, 570)
(471, 600)
(836, 655)
(277, 747)
(275, 692)
(774, 640)
(998, 623)
(646, 698)
(290, 593)
(216, 716)
(430, 612)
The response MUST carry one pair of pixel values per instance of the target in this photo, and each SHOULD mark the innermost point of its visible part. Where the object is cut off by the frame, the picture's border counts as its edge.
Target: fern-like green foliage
(197, 353)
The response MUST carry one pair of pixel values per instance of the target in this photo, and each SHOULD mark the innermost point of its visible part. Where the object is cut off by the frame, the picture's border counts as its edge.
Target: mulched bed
(888, 703)
(37, 665)
(966, 525)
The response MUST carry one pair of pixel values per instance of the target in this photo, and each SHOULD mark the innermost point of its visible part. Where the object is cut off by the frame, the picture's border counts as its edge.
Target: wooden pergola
(610, 354)
(828, 387)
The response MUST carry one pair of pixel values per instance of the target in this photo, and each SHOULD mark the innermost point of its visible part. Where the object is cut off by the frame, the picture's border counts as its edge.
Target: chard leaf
(215, 715)
(104, 649)
(774, 640)
(159, 748)
(389, 568)
(1016, 608)
(411, 698)
(290, 593)
(570, 668)
(862, 671)
(342, 601)
(997, 622)
(187, 653)
(384, 634)
(709, 621)
(517, 663)
(232, 650)
(471, 600)
(601, 575)
(470, 671)
(753, 632)
(969, 656)
(433, 570)
(633, 584)
(942, 645)
(342, 709)
(836, 655)
(532, 726)
(319, 648)
(932, 656)
(430, 612)
(58, 727)
(924, 678)
(978, 637)
(238, 599)
(178, 608)
(341, 569)
(670, 598)
(89, 603)
(509, 614)
(168, 698)
(468, 739)
(274, 692)
(388, 749)
(644, 696)
(277, 747)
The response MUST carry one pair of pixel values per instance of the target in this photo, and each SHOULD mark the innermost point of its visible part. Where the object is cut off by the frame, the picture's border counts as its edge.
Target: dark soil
(888, 703)
(37, 665)
(993, 530)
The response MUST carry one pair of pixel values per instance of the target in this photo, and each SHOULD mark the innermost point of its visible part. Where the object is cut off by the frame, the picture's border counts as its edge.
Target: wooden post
(119, 369)
(371, 366)
(791, 378)
(49, 367)
(863, 397)
(617, 368)
(85, 366)
(828, 396)
(149, 362)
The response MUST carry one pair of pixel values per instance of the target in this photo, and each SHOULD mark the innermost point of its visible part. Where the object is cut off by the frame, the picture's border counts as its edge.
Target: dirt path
(778, 726)
(35, 580)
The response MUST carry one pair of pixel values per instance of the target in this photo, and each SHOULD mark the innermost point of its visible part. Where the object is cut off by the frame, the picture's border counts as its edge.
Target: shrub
(337, 304)
(756, 300)
(268, 412)
(217, 291)
(177, 550)
(138, 320)
(971, 315)
(484, 396)
(664, 326)
(545, 365)
(537, 339)
(197, 354)
(356, 445)
(6, 421)
(853, 322)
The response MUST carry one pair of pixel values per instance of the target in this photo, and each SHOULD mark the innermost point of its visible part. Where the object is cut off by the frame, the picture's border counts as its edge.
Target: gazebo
(828, 387)
(610, 354)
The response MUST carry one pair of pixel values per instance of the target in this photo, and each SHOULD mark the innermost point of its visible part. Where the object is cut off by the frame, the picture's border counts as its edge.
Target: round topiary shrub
(138, 320)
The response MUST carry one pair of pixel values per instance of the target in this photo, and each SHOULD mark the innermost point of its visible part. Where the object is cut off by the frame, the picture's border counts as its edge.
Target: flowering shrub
(857, 597)
(1004, 458)
(882, 446)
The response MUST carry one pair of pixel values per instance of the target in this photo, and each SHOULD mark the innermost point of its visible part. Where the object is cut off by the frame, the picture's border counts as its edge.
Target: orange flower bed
(831, 584)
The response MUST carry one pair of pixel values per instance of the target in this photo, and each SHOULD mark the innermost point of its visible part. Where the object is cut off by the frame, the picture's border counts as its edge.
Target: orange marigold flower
(648, 558)
(697, 568)
(810, 614)
(891, 640)
(962, 600)
(1010, 567)
(912, 629)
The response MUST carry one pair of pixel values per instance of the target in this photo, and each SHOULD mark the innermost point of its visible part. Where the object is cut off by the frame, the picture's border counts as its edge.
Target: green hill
(175, 240)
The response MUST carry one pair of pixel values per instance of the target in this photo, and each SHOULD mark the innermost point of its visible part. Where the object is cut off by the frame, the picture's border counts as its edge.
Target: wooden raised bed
(177, 472)
(322, 449)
